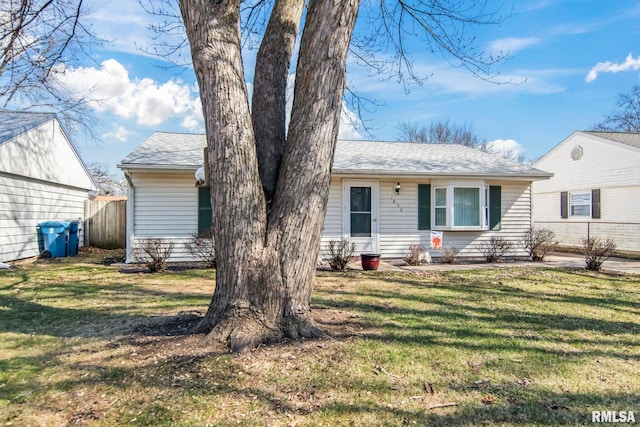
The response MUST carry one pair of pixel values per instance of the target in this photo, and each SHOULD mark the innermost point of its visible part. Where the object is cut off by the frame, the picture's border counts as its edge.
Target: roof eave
(413, 174)
(152, 167)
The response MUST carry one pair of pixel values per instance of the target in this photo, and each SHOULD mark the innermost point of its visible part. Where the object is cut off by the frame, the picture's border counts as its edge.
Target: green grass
(85, 344)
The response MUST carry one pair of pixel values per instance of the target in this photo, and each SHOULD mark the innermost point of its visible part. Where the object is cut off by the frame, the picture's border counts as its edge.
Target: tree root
(244, 331)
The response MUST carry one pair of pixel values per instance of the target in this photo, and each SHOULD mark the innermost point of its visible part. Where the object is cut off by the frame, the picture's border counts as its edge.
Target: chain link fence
(571, 234)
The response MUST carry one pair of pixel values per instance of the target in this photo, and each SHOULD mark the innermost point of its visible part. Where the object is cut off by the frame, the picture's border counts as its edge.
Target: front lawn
(84, 344)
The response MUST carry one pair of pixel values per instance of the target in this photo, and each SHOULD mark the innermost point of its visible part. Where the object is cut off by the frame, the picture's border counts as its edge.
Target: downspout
(131, 192)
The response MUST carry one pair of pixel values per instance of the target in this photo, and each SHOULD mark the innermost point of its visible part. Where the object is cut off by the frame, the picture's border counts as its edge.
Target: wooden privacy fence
(105, 222)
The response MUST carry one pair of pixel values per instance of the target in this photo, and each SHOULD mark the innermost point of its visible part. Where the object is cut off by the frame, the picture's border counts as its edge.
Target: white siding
(44, 153)
(24, 203)
(165, 206)
(398, 219)
(612, 167)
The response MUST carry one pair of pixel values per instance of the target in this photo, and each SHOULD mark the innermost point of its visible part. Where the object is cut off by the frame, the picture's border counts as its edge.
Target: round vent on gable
(576, 153)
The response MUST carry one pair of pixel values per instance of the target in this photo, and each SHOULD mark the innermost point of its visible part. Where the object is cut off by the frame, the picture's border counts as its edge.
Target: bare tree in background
(272, 183)
(627, 116)
(442, 133)
(445, 132)
(108, 184)
(37, 37)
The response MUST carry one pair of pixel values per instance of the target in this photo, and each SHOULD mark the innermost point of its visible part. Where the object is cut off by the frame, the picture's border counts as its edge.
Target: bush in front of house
(340, 253)
(417, 255)
(495, 248)
(538, 242)
(597, 251)
(203, 247)
(153, 252)
(449, 255)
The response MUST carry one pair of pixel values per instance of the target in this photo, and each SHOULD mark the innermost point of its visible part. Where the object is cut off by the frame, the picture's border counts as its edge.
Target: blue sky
(569, 62)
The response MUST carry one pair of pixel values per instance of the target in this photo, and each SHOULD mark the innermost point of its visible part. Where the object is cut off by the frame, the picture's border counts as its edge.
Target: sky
(568, 62)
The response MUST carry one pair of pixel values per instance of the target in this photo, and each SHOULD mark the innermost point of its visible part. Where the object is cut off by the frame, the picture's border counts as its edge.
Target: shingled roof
(15, 123)
(167, 151)
(628, 138)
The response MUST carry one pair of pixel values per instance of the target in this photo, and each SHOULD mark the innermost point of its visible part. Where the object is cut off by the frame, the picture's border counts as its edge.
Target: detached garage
(42, 178)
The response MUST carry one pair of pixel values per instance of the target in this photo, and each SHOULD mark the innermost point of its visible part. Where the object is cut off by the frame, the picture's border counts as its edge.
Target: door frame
(363, 244)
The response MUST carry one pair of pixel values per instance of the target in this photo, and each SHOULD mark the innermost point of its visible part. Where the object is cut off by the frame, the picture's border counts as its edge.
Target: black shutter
(495, 207)
(204, 209)
(564, 204)
(424, 206)
(595, 203)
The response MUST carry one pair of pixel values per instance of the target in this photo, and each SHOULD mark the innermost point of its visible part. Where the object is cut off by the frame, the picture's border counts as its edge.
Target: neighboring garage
(42, 178)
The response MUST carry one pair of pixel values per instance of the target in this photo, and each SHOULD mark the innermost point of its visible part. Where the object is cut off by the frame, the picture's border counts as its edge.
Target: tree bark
(266, 264)
(268, 104)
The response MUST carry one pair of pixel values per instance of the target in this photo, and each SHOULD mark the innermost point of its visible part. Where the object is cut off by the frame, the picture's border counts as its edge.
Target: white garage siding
(24, 203)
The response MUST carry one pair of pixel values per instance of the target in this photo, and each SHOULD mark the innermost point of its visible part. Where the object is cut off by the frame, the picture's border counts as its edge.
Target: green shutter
(204, 209)
(495, 207)
(595, 203)
(424, 206)
(564, 204)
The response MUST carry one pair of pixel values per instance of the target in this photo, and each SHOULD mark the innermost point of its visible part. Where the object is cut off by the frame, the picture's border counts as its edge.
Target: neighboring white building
(595, 190)
(42, 178)
(384, 196)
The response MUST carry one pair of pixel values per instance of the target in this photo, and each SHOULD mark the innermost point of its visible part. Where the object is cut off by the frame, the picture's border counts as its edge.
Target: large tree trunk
(266, 260)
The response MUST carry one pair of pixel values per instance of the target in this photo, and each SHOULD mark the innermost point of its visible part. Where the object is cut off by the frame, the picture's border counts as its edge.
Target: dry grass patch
(83, 344)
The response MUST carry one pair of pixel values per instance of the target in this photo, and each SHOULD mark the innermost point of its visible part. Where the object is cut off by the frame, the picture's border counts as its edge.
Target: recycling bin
(54, 237)
(72, 241)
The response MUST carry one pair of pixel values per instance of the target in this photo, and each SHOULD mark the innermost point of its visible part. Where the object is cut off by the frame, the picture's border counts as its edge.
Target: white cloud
(507, 148)
(609, 67)
(512, 44)
(150, 103)
(119, 133)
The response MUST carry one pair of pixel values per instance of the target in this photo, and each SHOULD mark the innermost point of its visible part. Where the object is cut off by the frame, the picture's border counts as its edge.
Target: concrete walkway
(557, 260)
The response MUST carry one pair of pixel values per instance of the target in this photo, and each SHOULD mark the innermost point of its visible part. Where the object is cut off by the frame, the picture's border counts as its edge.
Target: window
(440, 207)
(205, 216)
(360, 211)
(466, 207)
(456, 206)
(580, 204)
(584, 203)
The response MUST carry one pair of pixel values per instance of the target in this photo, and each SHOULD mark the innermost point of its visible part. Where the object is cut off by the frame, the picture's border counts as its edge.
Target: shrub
(597, 251)
(203, 247)
(449, 255)
(495, 248)
(417, 255)
(153, 252)
(539, 242)
(340, 253)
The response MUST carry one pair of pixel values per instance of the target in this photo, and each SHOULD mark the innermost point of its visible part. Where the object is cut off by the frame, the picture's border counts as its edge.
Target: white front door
(360, 214)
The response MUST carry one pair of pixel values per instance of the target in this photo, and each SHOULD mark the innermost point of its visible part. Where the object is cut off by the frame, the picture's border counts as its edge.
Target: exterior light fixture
(398, 187)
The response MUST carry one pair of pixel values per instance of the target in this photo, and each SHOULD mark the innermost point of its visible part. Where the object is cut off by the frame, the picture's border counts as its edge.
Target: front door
(360, 214)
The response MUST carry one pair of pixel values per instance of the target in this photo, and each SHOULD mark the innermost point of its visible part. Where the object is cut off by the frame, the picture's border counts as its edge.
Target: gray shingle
(172, 150)
(14, 123)
(628, 138)
(168, 150)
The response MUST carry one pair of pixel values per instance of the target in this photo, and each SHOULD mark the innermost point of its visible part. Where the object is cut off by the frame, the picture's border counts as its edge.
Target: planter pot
(370, 261)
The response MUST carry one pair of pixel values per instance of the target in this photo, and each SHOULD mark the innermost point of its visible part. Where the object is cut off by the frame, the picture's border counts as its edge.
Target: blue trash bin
(54, 237)
(72, 242)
